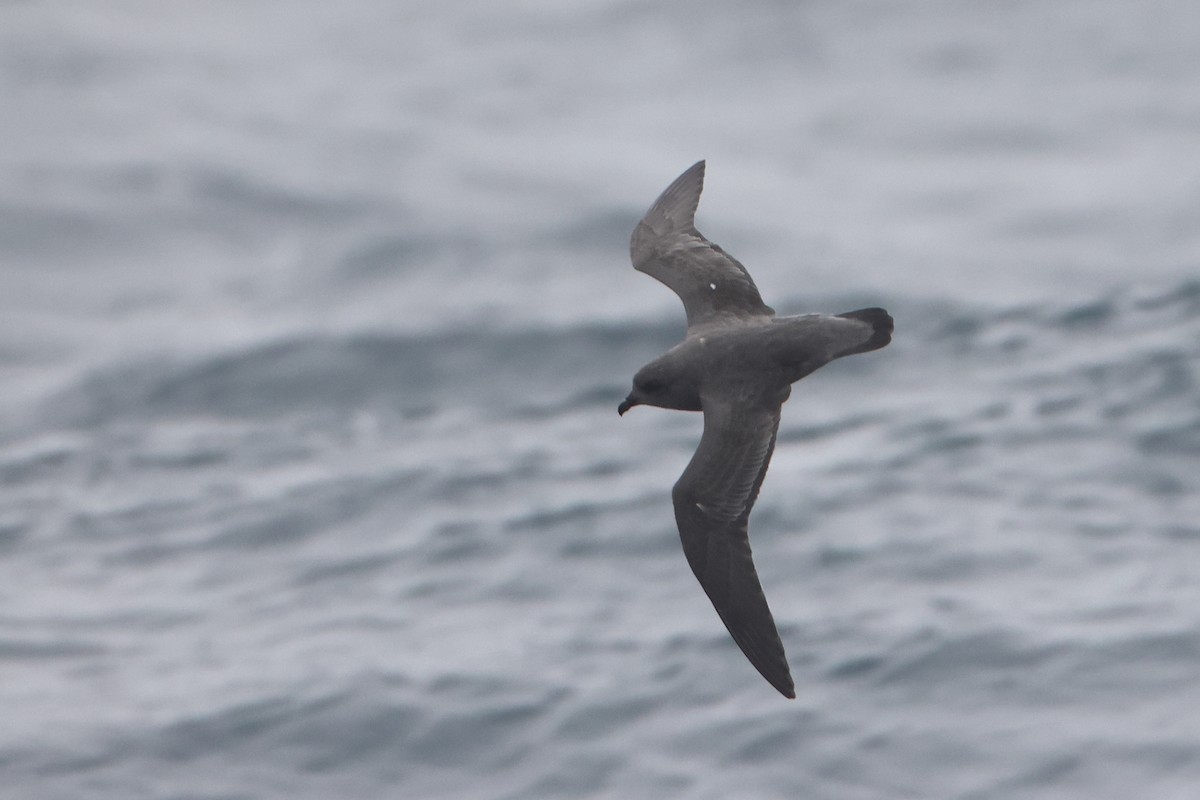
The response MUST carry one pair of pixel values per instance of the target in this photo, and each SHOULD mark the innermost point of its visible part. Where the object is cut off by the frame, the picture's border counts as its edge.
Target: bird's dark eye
(652, 386)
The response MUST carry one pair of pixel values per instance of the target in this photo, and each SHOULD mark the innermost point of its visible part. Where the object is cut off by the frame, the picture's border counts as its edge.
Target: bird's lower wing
(712, 501)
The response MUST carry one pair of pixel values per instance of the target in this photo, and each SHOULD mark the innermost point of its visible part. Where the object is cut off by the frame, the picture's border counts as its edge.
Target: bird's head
(656, 384)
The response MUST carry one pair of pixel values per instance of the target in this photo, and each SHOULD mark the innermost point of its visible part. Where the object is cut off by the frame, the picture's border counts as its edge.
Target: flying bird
(736, 364)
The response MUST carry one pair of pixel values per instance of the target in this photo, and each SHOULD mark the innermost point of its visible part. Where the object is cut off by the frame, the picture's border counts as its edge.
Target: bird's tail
(881, 329)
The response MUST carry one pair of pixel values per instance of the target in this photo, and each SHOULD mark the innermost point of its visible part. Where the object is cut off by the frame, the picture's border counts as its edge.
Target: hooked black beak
(626, 404)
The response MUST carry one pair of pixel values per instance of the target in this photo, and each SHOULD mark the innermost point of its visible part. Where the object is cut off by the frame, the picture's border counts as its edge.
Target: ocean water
(313, 323)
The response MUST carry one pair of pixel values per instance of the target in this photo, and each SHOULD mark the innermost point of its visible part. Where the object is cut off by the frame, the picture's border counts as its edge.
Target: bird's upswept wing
(666, 245)
(712, 501)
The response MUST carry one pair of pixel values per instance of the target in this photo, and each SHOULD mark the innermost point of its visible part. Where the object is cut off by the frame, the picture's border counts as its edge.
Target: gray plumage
(736, 364)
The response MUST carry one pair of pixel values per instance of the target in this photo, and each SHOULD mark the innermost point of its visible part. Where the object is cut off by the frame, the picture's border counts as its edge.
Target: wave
(1125, 352)
(413, 374)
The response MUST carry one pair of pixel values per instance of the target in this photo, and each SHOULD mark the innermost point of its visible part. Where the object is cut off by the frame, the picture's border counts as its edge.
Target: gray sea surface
(314, 318)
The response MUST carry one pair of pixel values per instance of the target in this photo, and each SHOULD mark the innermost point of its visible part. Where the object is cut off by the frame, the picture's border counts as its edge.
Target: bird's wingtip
(781, 680)
(675, 208)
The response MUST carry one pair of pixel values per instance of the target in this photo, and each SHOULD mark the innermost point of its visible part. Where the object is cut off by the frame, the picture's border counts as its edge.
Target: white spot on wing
(712, 286)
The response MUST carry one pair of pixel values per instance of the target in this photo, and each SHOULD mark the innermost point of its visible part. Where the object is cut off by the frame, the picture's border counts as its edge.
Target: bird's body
(736, 364)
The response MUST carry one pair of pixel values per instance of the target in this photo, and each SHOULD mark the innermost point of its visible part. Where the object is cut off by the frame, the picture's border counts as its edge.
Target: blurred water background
(313, 322)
